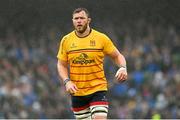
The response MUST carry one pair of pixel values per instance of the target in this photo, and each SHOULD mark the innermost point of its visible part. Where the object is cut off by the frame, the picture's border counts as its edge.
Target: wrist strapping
(122, 66)
(120, 69)
(66, 81)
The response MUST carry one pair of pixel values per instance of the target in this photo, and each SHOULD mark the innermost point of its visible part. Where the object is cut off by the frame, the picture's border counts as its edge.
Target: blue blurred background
(147, 32)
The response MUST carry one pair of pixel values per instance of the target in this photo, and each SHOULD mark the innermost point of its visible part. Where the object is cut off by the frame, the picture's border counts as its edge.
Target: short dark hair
(77, 10)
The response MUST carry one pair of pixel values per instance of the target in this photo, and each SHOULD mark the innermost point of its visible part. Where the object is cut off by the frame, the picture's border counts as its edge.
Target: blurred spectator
(30, 87)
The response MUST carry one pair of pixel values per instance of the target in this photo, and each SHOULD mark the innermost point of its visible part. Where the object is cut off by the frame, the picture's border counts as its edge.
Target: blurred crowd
(30, 86)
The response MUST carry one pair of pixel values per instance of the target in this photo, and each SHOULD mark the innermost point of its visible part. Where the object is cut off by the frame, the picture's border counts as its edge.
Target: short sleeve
(62, 54)
(108, 45)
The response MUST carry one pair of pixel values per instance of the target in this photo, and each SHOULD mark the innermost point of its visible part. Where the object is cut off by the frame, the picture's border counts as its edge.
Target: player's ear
(89, 20)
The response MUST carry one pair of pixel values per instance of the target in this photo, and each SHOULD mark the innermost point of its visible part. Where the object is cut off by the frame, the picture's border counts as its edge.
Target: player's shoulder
(99, 33)
(67, 36)
(102, 36)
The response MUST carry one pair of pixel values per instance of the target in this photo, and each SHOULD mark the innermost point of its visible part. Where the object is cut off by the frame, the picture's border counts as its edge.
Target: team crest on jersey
(82, 59)
(92, 43)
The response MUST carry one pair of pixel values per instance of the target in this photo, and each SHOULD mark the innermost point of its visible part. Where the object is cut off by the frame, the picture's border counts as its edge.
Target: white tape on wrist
(120, 69)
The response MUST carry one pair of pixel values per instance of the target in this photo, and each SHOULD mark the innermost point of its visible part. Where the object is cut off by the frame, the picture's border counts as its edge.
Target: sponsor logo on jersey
(83, 59)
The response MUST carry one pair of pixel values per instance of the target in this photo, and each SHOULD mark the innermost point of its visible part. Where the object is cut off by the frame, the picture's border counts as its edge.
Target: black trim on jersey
(84, 36)
(85, 49)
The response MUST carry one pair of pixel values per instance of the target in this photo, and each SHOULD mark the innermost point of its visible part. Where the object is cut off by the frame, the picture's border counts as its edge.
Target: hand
(121, 74)
(71, 87)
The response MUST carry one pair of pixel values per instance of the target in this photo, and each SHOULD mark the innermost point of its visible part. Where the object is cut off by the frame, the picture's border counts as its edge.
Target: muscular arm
(120, 60)
(62, 67)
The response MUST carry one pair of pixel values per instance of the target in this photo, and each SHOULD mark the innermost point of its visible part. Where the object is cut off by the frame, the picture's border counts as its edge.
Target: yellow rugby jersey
(85, 57)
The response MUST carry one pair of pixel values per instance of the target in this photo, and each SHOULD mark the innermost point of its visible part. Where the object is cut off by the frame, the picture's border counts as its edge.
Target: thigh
(99, 104)
(81, 107)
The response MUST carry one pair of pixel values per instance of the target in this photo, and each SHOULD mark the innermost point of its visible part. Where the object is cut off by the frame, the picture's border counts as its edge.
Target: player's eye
(82, 17)
(76, 18)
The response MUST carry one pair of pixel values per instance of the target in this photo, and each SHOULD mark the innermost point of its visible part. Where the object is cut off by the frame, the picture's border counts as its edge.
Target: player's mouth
(79, 25)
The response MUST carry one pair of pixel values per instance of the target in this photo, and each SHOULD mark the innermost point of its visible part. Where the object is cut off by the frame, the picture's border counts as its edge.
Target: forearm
(62, 67)
(62, 70)
(118, 58)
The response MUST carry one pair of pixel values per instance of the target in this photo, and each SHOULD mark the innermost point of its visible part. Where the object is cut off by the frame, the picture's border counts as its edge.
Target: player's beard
(81, 29)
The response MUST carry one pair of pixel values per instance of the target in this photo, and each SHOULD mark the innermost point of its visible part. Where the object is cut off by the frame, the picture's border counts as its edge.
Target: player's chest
(85, 49)
(77, 44)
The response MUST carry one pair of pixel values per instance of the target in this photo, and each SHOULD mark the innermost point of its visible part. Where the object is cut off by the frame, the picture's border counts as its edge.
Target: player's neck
(85, 33)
